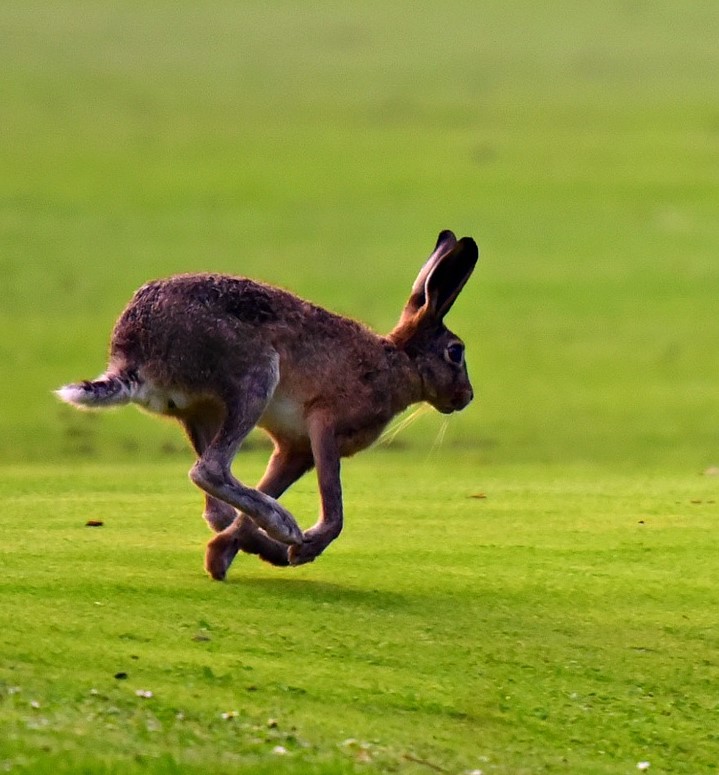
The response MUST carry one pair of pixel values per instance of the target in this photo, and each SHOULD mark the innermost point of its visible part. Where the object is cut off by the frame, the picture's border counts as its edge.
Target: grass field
(564, 622)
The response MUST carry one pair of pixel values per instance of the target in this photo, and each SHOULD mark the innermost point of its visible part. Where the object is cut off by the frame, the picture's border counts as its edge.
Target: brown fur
(223, 354)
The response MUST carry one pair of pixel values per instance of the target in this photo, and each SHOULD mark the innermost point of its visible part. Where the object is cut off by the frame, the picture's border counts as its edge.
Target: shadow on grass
(319, 591)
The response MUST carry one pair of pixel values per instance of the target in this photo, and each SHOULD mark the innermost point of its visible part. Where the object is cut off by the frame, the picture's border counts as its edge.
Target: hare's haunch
(225, 354)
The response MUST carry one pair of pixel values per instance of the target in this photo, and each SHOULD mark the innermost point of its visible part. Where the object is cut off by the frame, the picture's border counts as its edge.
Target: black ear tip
(469, 247)
(446, 236)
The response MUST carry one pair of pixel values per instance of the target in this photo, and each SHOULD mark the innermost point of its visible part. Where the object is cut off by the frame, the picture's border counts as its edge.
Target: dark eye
(455, 353)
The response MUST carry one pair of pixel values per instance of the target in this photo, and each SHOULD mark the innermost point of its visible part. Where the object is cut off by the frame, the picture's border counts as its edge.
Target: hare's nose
(463, 399)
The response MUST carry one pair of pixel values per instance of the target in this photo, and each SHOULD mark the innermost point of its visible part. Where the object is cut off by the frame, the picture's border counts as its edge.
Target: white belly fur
(285, 417)
(159, 400)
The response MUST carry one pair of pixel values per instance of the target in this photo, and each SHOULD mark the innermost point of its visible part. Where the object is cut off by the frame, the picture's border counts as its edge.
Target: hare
(224, 354)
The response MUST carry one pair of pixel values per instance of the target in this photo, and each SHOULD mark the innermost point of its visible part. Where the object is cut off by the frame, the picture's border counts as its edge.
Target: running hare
(225, 354)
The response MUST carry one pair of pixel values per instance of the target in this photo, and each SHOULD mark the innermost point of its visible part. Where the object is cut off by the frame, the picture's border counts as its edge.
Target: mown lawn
(513, 620)
(564, 622)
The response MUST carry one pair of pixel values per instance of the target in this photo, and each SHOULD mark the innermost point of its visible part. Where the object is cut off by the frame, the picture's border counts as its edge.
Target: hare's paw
(220, 553)
(281, 526)
(315, 542)
(300, 554)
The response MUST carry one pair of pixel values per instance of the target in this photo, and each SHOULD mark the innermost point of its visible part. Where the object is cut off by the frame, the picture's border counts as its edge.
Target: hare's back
(196, 295)
(197, 323)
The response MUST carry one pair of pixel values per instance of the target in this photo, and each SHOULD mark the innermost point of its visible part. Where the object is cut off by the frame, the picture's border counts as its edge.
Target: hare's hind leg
(244, 405)
(201, 429)
(286, 466)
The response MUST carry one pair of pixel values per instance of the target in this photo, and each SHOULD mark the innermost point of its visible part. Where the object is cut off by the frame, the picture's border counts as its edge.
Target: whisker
(394, 430)
(403, 423)
(439, 439)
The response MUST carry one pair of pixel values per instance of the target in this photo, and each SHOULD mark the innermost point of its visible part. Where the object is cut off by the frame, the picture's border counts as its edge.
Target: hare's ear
(442, 278)
(417, 299)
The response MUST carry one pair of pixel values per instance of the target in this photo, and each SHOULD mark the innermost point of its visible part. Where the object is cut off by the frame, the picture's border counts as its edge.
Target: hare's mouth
(459, 402)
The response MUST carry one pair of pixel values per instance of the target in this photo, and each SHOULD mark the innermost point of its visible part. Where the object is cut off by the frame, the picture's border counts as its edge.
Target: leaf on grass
(94, 523)
(410, 757)
(479, 495)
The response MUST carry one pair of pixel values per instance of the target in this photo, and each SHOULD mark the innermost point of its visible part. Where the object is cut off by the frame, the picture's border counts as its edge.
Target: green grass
(564, 623)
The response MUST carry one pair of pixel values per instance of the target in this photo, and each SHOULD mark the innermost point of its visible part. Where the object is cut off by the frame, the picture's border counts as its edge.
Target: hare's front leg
(286, 466)
(327, 462)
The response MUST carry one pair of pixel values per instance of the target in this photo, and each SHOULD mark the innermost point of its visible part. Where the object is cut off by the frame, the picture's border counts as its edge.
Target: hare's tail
(103, 392)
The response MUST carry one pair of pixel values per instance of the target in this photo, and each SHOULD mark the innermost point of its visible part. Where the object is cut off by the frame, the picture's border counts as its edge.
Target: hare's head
(438, 354)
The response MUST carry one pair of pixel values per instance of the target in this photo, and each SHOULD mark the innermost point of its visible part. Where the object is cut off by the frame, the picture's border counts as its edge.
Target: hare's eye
(455, 353)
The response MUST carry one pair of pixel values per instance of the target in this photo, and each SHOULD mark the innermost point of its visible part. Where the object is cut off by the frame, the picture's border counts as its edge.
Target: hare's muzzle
(458, 402)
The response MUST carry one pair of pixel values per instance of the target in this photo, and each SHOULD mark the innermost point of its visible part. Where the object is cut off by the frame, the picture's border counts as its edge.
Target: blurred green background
(322, 147)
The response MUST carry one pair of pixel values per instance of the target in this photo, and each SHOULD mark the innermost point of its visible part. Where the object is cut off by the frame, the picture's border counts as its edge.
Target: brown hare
(224, 354)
